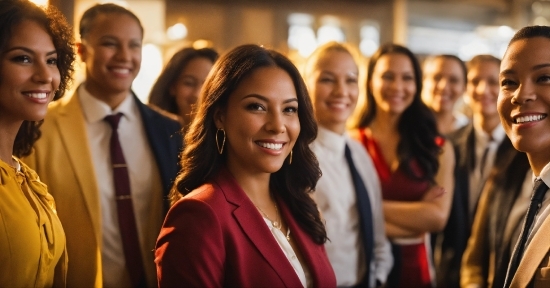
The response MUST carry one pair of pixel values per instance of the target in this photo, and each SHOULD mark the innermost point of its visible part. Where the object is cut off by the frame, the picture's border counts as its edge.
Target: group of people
(244, 171)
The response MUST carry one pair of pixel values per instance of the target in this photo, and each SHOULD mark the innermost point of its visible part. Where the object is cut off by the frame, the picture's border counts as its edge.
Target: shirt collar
(96, 110)
(332, 141)
(497, 135)
(544, 174)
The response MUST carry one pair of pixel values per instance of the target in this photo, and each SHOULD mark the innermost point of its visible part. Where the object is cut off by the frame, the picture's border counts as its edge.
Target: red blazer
(215, 237)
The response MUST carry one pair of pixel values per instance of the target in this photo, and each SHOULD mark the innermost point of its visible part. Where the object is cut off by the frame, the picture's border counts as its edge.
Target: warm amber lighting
(201, 43)
(41, 2)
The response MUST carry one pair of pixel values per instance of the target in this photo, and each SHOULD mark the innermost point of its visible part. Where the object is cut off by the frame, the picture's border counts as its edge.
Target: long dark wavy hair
(160, 93)
(12, 13)
(417, 127)
(201, 161)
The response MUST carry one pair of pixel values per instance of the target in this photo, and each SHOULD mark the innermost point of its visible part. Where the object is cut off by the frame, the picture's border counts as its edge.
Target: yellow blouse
(32, 241)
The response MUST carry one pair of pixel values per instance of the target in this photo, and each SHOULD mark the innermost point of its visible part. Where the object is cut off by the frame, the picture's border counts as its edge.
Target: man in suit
(524, 107)
(73, 157)
(479, 146)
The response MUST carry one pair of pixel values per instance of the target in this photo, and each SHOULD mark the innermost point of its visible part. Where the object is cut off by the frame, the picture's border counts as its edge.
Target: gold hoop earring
(220, 149)
(290, 160)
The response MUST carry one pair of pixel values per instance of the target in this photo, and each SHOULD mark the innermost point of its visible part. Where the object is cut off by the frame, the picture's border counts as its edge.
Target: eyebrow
(536, 67)
(267, 99)
(348, 73)
(115, 38)
(30, 50)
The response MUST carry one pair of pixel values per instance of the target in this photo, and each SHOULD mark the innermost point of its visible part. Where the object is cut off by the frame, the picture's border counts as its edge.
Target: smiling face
(112, 53)
(334, 89)
(28, 73)
(393, 83)
(188, 85)
(524, 100)
(261, 122)
(482, 89)
(443, 84)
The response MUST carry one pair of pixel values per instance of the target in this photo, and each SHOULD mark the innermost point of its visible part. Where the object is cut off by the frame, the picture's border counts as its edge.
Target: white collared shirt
(145, 184)
(544, 210)
(335, 197)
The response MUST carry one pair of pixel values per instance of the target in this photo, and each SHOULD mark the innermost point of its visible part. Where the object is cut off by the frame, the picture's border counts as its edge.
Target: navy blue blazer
(166, 140)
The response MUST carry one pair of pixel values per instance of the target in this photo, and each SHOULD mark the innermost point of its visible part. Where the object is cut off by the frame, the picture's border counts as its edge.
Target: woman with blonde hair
(348, 192)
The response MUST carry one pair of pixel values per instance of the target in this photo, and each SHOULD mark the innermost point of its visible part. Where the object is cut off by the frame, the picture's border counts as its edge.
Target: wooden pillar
(400, 22)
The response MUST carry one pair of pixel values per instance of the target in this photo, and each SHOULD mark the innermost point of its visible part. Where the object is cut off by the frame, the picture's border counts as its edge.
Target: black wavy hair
(416, 126)
(201, 160)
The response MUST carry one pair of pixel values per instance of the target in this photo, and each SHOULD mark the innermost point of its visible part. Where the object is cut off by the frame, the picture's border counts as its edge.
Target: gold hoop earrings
(290, 160)
(220, 149)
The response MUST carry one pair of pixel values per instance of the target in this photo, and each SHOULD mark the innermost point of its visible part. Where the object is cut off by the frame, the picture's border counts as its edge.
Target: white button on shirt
(336, 198)
(145, 185)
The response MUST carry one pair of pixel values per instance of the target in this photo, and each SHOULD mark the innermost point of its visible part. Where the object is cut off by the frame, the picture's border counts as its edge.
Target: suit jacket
(487, 255)
(215, 237)
(534, 267)
(450, 244)
(61, 157)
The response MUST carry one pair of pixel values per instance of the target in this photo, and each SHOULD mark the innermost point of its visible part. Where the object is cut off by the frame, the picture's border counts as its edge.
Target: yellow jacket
(32, 241)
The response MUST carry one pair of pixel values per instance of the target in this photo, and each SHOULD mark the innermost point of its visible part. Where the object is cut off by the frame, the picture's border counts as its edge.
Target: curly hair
(12, 13)
(160, 93)
(416, 126)
(292, 183)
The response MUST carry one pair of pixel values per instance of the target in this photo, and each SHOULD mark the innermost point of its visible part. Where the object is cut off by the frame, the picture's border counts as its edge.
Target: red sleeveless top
(397, 185)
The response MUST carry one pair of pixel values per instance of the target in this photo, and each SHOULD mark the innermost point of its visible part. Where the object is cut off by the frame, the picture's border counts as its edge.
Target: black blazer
(449, 245)
(166, 140)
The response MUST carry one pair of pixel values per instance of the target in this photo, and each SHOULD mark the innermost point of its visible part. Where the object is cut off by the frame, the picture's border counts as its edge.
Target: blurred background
(296, 27)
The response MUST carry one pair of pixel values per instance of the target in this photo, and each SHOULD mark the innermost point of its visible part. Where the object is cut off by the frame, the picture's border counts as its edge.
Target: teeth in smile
(525, 119)
(37, 95)
(272, 146)
(121, 71)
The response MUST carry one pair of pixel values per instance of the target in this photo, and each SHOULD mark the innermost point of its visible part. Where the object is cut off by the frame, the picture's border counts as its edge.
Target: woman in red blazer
(243, 215)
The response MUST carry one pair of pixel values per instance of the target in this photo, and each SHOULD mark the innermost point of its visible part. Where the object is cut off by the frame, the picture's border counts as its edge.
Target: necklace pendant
(276, 224)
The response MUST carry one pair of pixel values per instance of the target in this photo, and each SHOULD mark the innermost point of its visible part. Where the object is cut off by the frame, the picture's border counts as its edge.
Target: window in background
(301, 36)
(151, 66)
(370, 38)
(465, 44)
(330, 30)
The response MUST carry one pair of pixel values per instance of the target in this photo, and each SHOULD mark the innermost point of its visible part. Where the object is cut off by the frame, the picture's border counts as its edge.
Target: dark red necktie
(126, 218)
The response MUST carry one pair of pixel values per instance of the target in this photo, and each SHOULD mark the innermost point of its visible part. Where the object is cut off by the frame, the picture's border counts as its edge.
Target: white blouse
(284, 243)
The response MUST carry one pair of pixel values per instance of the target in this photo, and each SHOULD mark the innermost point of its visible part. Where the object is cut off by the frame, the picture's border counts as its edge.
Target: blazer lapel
(533, 256)
(72, 129)
(256, 229)
(313, 254)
